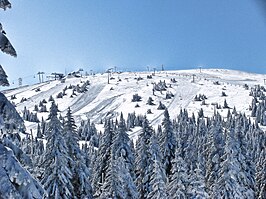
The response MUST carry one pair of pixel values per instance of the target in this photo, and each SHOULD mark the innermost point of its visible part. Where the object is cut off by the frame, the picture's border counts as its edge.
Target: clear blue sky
(98, 34)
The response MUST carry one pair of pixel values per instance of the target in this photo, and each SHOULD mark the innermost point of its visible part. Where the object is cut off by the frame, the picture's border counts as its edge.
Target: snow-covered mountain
(92, 97)
(187, 149)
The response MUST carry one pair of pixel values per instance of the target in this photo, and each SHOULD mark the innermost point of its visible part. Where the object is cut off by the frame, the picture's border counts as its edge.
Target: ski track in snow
(108, 100)
(86, 98)
(102, 110)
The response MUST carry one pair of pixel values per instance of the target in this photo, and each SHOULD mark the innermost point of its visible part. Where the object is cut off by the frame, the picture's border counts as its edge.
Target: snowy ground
(108, 100)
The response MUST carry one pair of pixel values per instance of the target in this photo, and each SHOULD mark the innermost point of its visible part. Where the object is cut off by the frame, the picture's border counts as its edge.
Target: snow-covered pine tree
(103, 158)
(57, 176)
(245, 157)
(129, 186)
(158, 186)
(4, 4)
(119, 180)
(113, 185)
(3, 77)
(156, 171)
(5, 44)
(121, 146)
(9, 117)
(81, 173)
(225, 104)
(43, 126)
(15, 181)
(213, 152)
(261, 175)
(231, 182)
(143, 159)
(39, 132)
(197, 187)
(167, 142)
(116, 163)
(178, 181)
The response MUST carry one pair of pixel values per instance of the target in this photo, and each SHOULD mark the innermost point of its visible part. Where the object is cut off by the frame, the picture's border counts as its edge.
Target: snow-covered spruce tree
(122, 147)
(103, 157)
(194, 143)
(39, 132)
(213, 154)
(57, 176)
(130, 120)
(156, 171)
(9, 117)
(122, 159)
(4, 4)
(5, 44)
(3, 77)
(261, 175)
(158, 186)
(119, 183)
(231, 182)
(43, 126)
(197, 187)
(86, 130)
(143, 159)
(113, 184)
(15, 181)
(81, 173)
(177, 187)
(38, 150)
(245, 156)
(167, 142)
(117, 178)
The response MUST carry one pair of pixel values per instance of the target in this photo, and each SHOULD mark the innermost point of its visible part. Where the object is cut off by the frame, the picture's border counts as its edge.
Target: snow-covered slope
(102, 99)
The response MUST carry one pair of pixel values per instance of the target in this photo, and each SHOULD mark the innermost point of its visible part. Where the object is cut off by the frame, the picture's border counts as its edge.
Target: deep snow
(109, 100)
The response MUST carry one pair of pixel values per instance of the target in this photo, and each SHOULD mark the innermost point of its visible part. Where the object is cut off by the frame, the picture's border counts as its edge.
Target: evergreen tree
(167, 142)
(119, 180)
(177, 187)
(225, 104)
(196, 187)
(5, 44)
(144, 159)
(103, 158)
(3, 77)
(122, 147)
(4, 4)
(156, 171)
(213, 154)
(261, 176)
(39, 132)
(232, 178)
(113, 184)
(57, 176)
(81, 173)
(244, 157)
(15, 181)
(158, 187)
(129, 186)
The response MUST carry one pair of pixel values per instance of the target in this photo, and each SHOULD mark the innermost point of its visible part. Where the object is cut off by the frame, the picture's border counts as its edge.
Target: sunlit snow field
(109, 100)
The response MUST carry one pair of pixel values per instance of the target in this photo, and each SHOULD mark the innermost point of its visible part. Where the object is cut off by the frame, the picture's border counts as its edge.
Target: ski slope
(109, 100)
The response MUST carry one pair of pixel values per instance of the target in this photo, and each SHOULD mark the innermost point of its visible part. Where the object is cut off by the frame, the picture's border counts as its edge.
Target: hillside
(102, 100)
(200, 147)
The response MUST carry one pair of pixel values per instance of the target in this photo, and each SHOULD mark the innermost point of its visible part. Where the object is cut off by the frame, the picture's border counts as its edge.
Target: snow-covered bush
(150, 101)
(161, 106)
(136, 98)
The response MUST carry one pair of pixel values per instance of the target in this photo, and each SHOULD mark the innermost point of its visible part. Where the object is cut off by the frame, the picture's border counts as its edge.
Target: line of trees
(185, 158)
